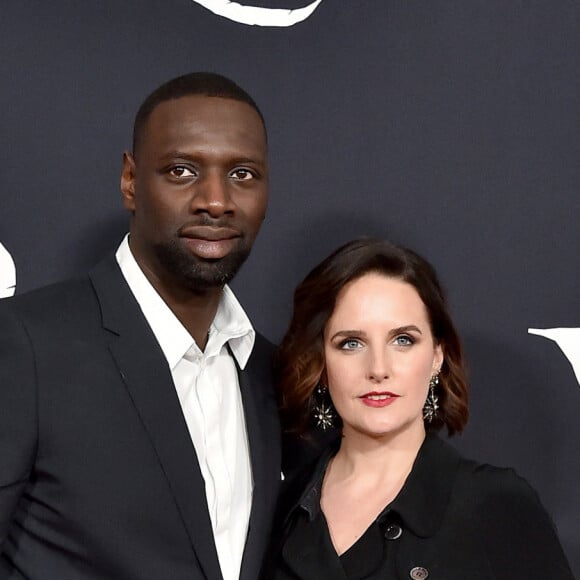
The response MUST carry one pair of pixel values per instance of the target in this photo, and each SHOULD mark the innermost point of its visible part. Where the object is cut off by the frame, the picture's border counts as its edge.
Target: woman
(372, 350)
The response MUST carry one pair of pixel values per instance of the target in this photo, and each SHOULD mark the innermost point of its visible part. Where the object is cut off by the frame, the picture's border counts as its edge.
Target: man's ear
(128, 181)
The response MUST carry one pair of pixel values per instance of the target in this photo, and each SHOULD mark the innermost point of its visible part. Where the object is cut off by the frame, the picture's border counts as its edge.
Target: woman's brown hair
(300, 358)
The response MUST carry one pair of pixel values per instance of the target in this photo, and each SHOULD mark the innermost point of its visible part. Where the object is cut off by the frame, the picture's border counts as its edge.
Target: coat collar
(262, 423)
(423, 500)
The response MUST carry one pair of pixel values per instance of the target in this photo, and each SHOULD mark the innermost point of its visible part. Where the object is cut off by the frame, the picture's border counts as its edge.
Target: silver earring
(432, 403)
(323, 412)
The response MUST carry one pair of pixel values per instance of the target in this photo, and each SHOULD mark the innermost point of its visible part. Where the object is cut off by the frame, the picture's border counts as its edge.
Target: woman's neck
(363, 478)
(388, 458)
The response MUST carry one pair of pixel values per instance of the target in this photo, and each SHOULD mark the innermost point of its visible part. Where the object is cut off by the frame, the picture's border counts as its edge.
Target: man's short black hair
(198, 83)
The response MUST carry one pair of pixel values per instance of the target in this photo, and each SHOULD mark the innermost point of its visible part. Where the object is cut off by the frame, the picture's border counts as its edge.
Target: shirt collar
(423, 500)
(231, 324)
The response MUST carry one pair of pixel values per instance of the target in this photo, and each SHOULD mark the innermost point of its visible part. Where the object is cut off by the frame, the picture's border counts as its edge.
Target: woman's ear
(438, 358)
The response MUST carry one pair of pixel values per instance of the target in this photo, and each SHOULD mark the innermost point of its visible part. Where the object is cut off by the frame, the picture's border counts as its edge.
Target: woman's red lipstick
(378, 399)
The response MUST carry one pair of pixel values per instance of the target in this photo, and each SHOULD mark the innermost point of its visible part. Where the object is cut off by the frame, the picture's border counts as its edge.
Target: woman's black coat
(459, 520)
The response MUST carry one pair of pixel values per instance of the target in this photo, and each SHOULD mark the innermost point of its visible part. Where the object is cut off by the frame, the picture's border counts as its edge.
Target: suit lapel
(263, 429)
(147, 377)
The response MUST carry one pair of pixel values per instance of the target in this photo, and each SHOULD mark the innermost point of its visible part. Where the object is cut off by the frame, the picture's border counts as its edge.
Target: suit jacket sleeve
(520, 536)
(18, 425)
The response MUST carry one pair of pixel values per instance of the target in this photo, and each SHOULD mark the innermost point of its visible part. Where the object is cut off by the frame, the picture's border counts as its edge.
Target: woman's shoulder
(494, 494)
(507, 507)
(496, 487)
(505, 512)
(466, 492)
(462, 476)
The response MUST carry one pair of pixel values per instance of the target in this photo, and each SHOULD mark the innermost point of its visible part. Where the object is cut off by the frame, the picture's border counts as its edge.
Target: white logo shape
(256, 16)
(568, 339)
(7, 273)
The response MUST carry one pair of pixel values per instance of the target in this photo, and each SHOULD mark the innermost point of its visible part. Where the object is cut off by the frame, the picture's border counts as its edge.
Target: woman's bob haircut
(300, 357)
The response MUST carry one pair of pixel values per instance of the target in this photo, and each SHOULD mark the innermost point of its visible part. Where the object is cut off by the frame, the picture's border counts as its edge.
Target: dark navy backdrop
(450, 125)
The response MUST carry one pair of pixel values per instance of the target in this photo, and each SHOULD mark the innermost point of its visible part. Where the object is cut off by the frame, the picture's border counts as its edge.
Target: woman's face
(379, 356)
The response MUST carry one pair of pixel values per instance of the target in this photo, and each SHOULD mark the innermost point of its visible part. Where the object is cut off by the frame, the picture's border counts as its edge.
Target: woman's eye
(181, 171)
(242, 174)
(350, 344)
(404, 340)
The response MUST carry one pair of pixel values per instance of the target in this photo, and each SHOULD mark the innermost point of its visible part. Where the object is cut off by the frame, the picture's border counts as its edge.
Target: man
(138, 430)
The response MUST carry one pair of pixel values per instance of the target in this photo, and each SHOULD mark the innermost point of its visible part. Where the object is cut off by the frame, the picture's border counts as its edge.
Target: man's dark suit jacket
(98, 475)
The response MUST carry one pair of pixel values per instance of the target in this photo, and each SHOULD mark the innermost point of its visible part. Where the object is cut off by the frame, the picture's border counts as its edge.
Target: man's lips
(210, 243)
(378, 398)
(209, 233)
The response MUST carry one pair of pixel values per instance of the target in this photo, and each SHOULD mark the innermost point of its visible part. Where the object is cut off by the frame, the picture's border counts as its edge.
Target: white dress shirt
(208, 390)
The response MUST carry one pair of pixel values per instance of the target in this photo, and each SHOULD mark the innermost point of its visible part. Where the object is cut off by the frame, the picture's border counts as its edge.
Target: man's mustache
(207, 221)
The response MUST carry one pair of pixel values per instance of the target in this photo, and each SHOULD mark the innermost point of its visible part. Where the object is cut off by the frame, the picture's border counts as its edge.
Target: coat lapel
(423, 507)
(262, 424)
(147, 377)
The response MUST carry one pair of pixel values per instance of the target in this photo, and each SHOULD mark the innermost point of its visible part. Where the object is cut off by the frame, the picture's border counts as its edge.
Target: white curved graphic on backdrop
(257, 16)
(568, 339)
(7, 273)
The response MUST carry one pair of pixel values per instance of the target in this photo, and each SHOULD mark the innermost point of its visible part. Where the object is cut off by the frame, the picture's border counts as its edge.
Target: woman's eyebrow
(347, 333)
(406, 328)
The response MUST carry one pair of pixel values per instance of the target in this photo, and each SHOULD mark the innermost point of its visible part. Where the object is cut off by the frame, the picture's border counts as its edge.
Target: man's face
(197, 190)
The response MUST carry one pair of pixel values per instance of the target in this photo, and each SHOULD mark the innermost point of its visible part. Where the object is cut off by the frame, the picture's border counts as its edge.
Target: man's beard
(195, 273)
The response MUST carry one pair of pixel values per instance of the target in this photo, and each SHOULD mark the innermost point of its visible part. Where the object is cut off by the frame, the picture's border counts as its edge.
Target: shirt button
(393, 532)
(419, 573)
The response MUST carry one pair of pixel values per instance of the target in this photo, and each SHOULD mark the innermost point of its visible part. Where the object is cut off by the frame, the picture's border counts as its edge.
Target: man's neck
(197, 313)
(195, 310)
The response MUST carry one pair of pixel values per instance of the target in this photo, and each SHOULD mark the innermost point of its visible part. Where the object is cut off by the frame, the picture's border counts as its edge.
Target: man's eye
(350, 344)
(181, 171)
(404, 340)
(242, 174)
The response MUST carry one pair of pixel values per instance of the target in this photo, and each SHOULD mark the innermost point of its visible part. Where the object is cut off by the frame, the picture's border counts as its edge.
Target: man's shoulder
(74, 295)
(47, 317)
(44, 300)
(264, 346)
(261, 362)
(55, 304)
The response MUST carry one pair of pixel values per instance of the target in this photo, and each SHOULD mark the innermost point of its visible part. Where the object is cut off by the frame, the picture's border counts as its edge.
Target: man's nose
(212, 195)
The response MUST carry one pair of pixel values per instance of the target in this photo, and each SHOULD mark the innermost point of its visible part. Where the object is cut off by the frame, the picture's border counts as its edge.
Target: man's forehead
(209, 107)
(201, 115)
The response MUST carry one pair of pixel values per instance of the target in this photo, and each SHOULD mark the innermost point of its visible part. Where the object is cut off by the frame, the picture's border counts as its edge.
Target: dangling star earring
(323, 411)
(432, 403)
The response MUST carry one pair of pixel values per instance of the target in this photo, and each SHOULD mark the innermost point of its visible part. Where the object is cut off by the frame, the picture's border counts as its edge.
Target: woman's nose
(378, 365)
